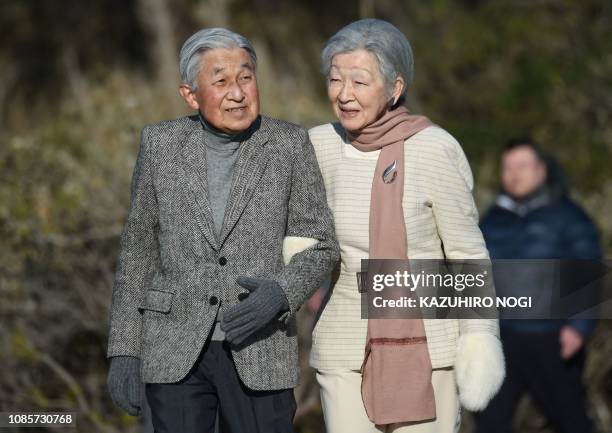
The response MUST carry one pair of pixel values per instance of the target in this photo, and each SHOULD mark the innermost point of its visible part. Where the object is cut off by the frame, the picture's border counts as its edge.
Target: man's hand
(265, 301)
(571, 342)
(124, 384)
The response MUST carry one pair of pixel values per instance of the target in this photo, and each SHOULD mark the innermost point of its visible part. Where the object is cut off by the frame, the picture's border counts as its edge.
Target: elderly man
(203, 306)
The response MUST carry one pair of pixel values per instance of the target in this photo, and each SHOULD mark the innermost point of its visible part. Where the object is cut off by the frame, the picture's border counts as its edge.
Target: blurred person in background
(399, 187)
(203, 307)
(534, 218)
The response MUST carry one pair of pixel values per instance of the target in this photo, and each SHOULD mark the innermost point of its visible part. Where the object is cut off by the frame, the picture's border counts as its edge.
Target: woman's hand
(479, 369)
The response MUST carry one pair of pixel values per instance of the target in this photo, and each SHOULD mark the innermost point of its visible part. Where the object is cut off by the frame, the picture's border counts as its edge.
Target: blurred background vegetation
(78, 81)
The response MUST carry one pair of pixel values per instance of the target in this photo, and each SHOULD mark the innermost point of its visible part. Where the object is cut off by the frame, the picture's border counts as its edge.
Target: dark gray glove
(124, 384)
(263, 304)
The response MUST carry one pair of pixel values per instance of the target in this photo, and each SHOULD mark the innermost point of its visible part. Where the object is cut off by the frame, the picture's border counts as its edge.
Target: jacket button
(222, 261)
(213, 300)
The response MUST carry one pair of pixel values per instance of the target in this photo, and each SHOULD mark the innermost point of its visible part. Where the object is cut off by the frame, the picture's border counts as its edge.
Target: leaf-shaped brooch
(390, 172)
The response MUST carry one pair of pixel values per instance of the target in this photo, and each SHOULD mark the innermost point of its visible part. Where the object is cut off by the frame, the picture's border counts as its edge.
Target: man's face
(522, 172)
(227, 94)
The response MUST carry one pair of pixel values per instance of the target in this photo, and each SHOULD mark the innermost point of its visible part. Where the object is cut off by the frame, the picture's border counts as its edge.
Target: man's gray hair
(389, 45)
(209, 39)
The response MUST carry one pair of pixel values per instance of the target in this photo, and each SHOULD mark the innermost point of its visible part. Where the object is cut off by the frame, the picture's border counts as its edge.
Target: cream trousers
(344, 412)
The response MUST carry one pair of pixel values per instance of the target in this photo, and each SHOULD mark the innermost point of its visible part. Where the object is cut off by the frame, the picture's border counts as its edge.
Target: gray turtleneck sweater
(221, 155)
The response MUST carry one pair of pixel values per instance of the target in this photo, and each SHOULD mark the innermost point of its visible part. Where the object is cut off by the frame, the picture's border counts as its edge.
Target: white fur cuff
(295, 244)
(479, 369)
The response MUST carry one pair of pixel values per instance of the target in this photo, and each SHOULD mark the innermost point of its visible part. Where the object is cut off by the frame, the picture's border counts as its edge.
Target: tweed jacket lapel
(249, 168)
(193, 162)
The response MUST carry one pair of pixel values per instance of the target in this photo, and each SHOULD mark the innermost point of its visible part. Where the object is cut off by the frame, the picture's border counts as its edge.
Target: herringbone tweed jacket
(174, 274)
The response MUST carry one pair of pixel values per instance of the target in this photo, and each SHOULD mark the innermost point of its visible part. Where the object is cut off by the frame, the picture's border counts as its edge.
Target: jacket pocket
(157, 300)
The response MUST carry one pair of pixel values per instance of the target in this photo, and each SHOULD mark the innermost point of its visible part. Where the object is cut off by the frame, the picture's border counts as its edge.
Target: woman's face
(356, 89)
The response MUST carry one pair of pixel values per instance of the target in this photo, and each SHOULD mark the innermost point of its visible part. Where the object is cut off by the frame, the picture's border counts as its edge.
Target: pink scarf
(396, 371)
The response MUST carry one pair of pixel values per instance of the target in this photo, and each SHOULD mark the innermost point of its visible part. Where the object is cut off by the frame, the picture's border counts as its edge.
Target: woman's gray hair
(389, 45)
(204, 40)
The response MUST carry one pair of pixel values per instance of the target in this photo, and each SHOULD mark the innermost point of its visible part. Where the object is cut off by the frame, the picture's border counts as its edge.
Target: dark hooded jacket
(545, 225)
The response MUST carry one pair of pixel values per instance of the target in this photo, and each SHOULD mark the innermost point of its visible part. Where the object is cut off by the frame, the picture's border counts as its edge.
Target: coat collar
(247, 172)
(521, 208)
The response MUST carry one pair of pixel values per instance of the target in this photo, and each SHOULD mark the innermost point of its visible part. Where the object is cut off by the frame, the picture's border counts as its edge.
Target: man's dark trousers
(190, 406)
(534, 364)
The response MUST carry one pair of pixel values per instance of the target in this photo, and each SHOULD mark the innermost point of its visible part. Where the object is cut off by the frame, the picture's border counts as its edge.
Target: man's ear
(543, 169)
(189, 96)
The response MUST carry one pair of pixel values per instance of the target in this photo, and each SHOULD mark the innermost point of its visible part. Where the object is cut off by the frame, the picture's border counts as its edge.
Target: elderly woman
(399, 187)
